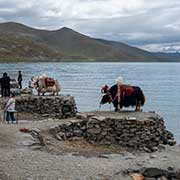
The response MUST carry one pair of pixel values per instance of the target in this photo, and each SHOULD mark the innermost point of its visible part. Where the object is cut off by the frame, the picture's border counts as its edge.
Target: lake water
(160, 83)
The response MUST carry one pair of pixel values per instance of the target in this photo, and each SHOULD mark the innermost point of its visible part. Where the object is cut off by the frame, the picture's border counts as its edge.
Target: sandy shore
(70, 160)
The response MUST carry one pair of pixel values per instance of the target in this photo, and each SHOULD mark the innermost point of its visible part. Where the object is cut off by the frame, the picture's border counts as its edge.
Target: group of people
(9, 108)
(6, 85)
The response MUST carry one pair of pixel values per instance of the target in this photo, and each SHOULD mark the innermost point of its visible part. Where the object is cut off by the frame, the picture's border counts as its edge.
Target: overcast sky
(150, 24)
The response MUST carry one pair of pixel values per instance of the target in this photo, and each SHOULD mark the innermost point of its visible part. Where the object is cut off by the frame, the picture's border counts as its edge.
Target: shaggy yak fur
(129, 96)
(42, 87)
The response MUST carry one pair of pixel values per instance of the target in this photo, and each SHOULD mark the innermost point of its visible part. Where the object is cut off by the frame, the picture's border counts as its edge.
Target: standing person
(10, 109)
(1, 87)
(119, 82)
(5, 85)
(20, 79)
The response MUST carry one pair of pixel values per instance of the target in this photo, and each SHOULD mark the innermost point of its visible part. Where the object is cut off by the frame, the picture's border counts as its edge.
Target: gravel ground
(19, 161)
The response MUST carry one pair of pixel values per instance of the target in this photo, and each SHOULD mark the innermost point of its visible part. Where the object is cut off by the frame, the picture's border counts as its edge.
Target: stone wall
(128, 132)
(50, 106)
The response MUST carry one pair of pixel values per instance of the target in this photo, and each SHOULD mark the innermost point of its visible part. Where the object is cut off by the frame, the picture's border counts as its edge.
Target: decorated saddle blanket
(127, 90)
(49, 81)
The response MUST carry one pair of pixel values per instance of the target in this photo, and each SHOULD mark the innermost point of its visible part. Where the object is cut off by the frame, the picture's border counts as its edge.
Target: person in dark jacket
(5, 85)
(1, 86)
(20, 79)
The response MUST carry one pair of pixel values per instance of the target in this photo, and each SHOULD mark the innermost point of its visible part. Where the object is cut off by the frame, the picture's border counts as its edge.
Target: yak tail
(58, 86)
(141, 97)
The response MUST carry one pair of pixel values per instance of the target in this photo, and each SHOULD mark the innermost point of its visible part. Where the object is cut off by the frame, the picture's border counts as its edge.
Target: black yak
(124, 96)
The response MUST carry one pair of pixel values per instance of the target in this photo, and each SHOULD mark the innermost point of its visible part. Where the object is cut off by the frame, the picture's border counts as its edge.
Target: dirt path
(18, 161)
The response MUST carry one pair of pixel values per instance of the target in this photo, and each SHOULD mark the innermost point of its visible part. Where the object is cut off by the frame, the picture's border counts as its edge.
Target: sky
(152, 25)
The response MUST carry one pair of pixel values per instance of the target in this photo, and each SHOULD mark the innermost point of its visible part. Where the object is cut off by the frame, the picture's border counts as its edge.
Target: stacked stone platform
(48, 106)
(144, 131)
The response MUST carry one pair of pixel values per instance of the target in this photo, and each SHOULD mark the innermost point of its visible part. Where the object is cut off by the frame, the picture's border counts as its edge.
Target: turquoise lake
(160, 83)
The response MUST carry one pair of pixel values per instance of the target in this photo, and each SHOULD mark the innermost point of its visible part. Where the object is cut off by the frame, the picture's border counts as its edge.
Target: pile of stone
(153, 174)
(144, 135)
(49, 106)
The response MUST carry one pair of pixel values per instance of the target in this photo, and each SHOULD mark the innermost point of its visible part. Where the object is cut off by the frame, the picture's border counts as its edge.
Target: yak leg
(117, 106)
(54, 91)
(57, 91)
(38, 92)
(43, 93)
(138, 106)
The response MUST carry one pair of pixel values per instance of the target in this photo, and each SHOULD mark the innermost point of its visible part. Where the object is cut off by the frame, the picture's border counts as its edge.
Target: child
(10, 109)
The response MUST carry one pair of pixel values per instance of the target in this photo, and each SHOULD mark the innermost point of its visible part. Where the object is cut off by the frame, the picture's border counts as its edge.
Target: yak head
(106, 98)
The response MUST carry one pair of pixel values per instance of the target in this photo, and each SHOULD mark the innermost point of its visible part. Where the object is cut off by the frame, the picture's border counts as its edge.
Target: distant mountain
(22, 43)
(175, 57)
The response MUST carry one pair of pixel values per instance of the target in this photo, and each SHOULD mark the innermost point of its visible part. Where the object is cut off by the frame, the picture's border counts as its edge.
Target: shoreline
(90, 61)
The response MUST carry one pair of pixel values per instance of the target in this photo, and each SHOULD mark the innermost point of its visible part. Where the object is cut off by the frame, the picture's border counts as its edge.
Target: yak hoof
(117, 110)
(138, 110)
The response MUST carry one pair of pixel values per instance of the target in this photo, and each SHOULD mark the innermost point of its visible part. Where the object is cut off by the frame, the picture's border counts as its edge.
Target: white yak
(39, 83)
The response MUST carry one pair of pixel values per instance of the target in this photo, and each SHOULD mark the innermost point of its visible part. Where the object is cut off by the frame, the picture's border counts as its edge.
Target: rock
(92, 122)
(83, 128)
(139, 164)
(99, 118)
(130, 157)
(178, 174)
(161, 147)
(90, 115)
(69, 134)
(103, 133)
(153, 156)
(106, 156)
(61, 136)
(45, 115)
(130, 118)
(162, 178)
(76, 138)
(147, 150)
(77, 133)
(81, 116)
(36, 147)
(153, 172)
(25, 143)
(171, 142)
(94, 131)
(154, 149)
